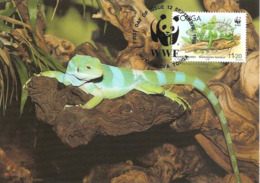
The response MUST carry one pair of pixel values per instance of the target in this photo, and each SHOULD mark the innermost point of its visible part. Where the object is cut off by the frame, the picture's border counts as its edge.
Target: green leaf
(50, 61)
(55, 9)
(42, 9)
(4, 27)
(195, 25)
(186, 40)
(211, 26)
(7, 12)
(117, 14)
(32, 10)
(3, 1)
(84, 9)
(212, 23)
(23, 75)
(101, 7)
(105, 27)
(7, 83)
(213, 19)
(107, 52)
(4, 54)
(2, 87)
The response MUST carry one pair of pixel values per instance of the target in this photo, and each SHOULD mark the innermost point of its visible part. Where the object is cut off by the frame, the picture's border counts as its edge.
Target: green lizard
(109, 82)
(213, 30)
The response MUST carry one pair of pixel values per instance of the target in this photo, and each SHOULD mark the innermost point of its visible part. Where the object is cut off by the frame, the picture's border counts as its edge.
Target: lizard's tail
(223, 121)
(182, 78)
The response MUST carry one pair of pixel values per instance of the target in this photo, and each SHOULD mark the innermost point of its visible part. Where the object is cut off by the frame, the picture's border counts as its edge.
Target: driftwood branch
(216, 45)
(124, 14)
(134, 112)
(166, 163)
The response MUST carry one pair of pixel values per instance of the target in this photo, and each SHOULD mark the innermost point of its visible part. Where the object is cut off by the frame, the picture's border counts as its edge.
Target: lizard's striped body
(109, 82)
(213, 31)
(206, 34)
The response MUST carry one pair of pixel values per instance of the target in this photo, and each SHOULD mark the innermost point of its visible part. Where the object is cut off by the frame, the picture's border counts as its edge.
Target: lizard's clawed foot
(80, 105)
(85, 106)
(26, 83)
(68, 106)
(181, 101)
(29, 80)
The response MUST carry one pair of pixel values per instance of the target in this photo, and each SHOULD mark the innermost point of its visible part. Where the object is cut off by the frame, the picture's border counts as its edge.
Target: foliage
(187, 40)
(21, 53)
(22, 47)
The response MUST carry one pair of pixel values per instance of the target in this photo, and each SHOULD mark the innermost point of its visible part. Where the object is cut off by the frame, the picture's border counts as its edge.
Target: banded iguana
(212, 31)
(114, 82)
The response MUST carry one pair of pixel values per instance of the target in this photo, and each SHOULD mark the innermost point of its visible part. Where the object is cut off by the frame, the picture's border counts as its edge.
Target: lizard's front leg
(92, 102)
(51, 74)
(94, 90)
(149, 88)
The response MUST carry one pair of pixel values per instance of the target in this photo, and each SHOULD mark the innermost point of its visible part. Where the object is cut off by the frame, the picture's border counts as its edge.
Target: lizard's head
(85, 67)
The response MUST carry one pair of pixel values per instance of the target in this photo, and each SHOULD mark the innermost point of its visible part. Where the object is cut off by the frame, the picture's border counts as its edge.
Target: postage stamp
(212, 37)
(194, 36)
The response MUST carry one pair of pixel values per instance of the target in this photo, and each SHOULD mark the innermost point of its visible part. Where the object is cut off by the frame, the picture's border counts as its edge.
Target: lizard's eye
(88, 67)
(77, 69)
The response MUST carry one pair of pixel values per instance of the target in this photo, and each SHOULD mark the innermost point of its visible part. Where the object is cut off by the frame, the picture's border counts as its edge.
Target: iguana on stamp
(212, 31)
(109, 82)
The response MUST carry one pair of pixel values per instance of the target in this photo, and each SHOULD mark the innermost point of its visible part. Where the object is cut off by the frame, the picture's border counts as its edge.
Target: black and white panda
(167, 35)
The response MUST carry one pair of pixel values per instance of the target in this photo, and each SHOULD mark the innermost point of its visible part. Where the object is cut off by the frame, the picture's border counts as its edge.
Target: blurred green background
(70, 23)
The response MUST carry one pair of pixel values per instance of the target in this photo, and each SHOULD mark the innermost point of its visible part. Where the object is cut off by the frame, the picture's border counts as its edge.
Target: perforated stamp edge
(186, 57)
(233, 54)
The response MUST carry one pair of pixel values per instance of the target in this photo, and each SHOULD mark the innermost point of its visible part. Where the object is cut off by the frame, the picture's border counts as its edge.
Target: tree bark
(135, 112)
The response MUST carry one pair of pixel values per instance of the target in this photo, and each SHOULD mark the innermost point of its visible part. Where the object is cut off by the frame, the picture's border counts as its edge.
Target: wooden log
(135, 112)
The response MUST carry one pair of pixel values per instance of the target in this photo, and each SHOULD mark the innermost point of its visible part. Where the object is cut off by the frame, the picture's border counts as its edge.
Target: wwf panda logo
(167, 35)
(238, 20)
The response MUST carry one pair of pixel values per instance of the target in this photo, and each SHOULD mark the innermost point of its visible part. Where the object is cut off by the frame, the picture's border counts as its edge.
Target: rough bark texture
(76, 126)
(166, 163)
(13, 170)
(124, 15)
(236, 87)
